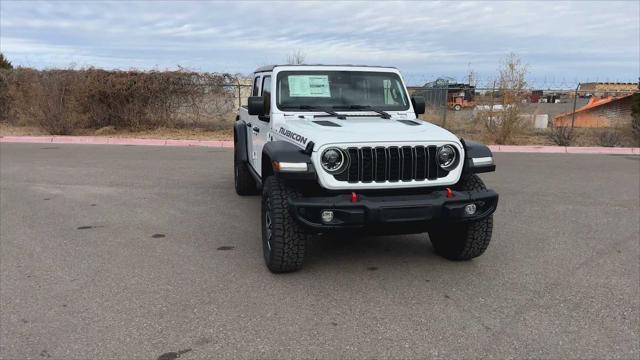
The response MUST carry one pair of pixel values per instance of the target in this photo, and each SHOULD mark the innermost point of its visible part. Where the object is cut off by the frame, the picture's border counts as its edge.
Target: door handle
(256, 129)
(249, 125)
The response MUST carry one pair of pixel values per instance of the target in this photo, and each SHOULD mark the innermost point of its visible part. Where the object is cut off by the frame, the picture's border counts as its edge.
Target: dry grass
(12, 130)
(582, 137)
(464, 125)
(159, 133)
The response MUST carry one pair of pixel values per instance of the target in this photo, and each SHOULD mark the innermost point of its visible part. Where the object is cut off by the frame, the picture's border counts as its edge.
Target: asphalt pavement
(142, 252)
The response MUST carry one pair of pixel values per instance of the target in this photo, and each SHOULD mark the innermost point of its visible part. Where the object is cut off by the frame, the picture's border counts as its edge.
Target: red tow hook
(354, 197)
(449, 193)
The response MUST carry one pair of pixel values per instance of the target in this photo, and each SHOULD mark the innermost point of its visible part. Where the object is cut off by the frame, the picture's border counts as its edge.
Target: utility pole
(575, 98)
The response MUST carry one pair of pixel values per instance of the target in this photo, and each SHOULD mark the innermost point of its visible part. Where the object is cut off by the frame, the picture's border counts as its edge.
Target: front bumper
(394, 213)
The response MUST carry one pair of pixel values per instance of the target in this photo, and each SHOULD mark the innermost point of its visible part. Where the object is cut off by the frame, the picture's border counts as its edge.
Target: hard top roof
(271, 67)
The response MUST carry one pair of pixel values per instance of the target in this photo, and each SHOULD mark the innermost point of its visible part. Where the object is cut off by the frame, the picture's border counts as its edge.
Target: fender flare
(240, 142)
(478, 158)
(283, 151)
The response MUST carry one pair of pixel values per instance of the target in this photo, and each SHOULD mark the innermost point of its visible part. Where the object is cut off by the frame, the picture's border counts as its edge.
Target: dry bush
(608, 138)
(561, 135)
(635, 117)
(5, 99)
(138, 100)
(60, 97)
(505, 124)
(49, 99)
(62, 101)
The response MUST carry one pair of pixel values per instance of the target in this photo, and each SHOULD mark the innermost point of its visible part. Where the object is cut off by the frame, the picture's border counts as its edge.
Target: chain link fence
(586, 107)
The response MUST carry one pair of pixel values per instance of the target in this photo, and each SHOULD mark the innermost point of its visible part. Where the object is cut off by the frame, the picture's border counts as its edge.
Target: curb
(564, 149)
(98, 140)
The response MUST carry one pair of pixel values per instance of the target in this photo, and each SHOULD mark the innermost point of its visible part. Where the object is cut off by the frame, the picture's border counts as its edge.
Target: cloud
(424, 39)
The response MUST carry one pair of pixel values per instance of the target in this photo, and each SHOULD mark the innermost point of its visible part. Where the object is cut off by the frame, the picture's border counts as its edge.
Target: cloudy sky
(562, 42)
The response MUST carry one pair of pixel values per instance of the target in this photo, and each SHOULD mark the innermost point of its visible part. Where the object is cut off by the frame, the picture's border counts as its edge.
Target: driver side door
(261, 126)
(253, 119)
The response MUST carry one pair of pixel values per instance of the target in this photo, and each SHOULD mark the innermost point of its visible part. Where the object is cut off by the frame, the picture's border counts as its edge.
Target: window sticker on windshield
(309, 86)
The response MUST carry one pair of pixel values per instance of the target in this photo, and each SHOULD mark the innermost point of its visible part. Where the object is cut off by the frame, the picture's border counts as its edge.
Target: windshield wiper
(315, 108)
(382, 113)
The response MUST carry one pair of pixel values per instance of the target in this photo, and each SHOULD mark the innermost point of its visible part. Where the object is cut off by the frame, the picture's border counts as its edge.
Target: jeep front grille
(393, 163)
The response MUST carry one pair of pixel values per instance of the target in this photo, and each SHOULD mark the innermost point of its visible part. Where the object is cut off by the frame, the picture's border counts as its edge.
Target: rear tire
(467, 240)
(457, 107)
(283, 239)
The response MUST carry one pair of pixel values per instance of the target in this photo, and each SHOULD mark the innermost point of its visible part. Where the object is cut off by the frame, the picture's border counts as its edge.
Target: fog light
(327, 216)
(470, 209)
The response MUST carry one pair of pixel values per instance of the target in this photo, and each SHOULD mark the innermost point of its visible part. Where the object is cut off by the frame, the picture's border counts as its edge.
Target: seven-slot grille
(393, 163)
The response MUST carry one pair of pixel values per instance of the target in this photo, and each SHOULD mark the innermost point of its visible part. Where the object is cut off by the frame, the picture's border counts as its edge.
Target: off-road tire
(244, 182)
(284, 242)
(457, 107)
(467, 240)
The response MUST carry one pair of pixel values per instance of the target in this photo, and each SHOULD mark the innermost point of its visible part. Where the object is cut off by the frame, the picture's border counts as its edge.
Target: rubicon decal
(296, 137)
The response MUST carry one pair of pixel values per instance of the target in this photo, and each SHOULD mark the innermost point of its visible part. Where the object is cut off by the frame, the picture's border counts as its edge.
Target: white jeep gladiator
(341, 148)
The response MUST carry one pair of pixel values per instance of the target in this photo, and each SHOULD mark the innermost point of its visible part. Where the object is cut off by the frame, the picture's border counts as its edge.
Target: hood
(329, 130)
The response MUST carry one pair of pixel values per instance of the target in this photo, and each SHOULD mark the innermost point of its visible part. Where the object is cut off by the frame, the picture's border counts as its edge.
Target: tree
(506, 123)
(4, 63)
(296, 57)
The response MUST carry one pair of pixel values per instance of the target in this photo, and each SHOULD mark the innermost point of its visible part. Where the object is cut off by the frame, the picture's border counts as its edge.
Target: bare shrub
(63, 100)
(60, 102)
(139, 100)
(48, 99)
(503, 123)
(635, 117)
(561, 135)
(608, 138)
(5, 99)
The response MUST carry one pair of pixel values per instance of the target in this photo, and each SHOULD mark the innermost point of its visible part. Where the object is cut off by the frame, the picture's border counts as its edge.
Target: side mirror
(256, 105)
(419, 105)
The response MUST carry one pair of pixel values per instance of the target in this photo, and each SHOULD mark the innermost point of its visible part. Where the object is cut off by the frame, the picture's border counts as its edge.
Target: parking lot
(143, 252)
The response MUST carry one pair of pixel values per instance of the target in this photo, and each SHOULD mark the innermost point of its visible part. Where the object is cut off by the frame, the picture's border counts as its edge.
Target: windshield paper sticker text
(290, 134)
(309, 86)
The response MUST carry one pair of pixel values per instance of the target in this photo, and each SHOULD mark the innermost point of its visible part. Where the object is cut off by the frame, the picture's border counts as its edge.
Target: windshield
(340, 90)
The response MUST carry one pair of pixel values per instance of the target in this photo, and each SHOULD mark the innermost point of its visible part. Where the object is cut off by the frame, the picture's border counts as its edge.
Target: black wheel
(283, 240)
(244, 182)
(463, 241)
(457, 107)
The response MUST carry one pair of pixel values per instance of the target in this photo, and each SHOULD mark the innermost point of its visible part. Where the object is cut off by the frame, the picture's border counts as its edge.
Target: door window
(266, 92)
(256, 86)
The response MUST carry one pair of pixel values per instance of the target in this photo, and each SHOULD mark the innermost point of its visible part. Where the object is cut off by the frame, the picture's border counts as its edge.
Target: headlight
(447, 157)
(334, 160)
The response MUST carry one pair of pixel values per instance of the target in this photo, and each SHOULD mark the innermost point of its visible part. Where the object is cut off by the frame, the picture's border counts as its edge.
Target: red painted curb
(528, 149)
(98, 140)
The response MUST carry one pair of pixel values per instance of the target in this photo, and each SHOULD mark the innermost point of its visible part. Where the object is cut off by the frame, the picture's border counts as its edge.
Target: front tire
(463, 241)
(283, 240)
